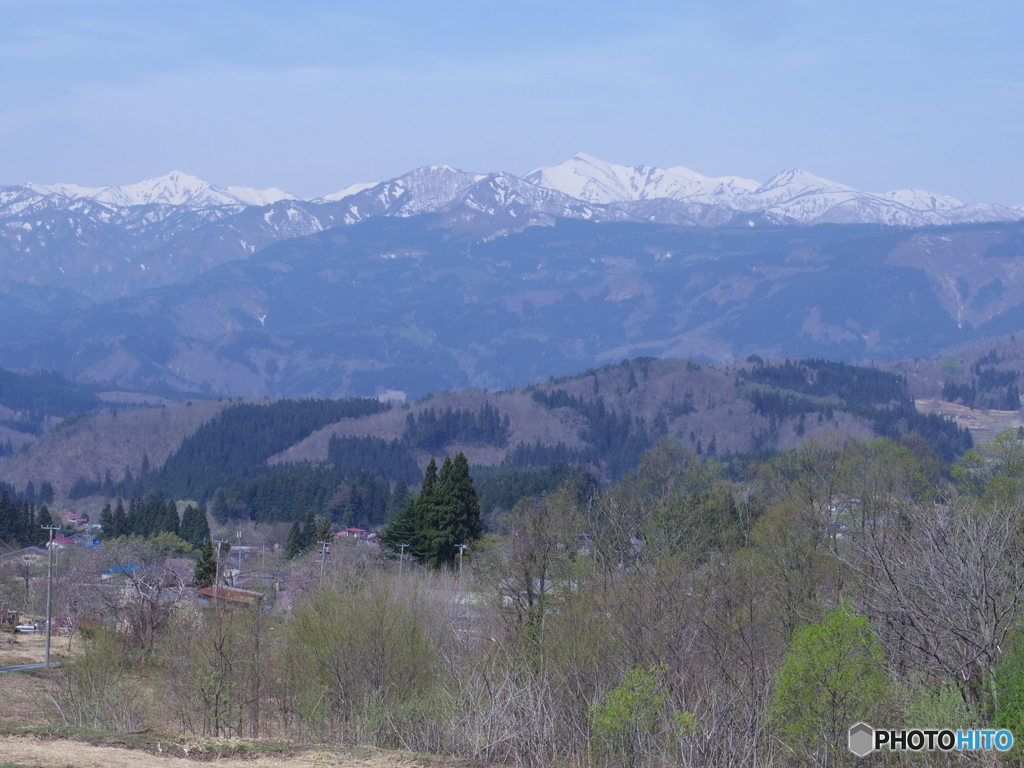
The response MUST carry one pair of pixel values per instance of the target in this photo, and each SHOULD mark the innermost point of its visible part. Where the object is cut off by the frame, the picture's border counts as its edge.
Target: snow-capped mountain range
(111, 241)
(176, 188)
(585, 187)
(442, 278)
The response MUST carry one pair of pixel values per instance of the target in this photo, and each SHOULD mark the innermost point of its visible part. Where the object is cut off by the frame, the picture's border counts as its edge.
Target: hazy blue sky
(313, 96)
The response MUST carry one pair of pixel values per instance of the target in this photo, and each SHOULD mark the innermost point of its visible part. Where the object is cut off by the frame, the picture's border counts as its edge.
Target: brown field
(29, 648)
(44, 752)
(984, 425)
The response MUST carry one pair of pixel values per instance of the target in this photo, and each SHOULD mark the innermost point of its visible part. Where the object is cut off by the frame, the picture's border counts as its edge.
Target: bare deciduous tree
(944, 589)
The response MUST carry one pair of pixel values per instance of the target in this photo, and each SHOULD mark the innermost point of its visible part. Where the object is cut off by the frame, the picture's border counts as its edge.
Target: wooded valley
(626, 595)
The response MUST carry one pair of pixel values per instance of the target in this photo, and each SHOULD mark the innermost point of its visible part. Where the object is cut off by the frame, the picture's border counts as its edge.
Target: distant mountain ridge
(103, 242)
(442, 278)
(438, 301)
(790, 197)
(175, 188)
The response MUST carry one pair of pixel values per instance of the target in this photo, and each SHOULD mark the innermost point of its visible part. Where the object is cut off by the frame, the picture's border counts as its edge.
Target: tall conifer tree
(293, 546)
(8, 519)
(44, 518)
(194, 527)
(206, 567)
(445, 515)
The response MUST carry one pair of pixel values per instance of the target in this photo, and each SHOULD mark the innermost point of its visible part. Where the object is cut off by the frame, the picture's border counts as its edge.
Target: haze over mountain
(442, 278)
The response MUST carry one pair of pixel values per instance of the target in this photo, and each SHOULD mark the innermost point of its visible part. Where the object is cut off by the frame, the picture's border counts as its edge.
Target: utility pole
(216, 581)
(462, 548)
(401, 559)
(49, 591)
(325, 551)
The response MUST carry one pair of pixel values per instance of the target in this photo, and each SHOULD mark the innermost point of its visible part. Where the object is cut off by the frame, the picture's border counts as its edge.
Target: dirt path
(37, 753)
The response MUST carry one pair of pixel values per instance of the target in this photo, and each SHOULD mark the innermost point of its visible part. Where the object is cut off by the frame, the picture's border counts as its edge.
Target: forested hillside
(29, 403)
(343, 460)
(356, 310)
(983, 376)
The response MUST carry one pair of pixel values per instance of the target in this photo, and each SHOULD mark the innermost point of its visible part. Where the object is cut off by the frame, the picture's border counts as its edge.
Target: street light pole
(462, 548)
(401, 559)
(49, 590)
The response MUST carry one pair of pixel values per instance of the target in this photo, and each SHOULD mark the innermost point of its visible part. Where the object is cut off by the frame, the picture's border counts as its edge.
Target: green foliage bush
(832, 677)
(630, 722)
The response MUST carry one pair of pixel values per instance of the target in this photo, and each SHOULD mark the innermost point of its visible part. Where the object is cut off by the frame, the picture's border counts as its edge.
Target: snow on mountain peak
(795, 179)
(573, 188)
(350, 190)
(67, 190)
(434, 186)
(174, 188)
(920, 200)
(260, 197)
(596, 181)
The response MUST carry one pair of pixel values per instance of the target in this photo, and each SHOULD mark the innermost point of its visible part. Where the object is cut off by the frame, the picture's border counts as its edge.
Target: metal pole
(462, 548)
(401, 558)
(216, 581)
(324, 551)
(49, 591)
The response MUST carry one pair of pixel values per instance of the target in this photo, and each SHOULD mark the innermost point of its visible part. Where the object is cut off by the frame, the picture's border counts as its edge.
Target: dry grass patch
(23, 746)
(30, 648)
(984, 425)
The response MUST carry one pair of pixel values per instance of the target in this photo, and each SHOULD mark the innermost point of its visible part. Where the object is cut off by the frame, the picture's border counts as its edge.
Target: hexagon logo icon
(861, 739)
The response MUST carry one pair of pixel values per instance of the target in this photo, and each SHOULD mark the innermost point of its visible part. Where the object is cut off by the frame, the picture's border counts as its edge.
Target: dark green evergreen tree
(28, 531)
(194, 527)
(402, 530)
(425, 514)
(324, 531)
(398, 500)
(293, 547)
(44, 518)
(206, 567)
(467, 526)
(8, 520)
(46, 493)
(221, 511)
(410, 526)
(457, 513)
(120, 520)
(170, 522)
(445, 515)
(107, 524)
(354, 510)
(108, 484)
(136, 519)
(308, 535)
